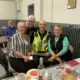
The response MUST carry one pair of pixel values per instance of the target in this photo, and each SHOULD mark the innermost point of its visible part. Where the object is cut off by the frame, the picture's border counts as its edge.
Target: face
(22, 28)
(31, 24)
(42, 25)
(57, 31)
(9, 24)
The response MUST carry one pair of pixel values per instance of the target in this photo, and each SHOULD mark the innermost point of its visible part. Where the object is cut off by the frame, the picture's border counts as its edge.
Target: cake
(70, 77)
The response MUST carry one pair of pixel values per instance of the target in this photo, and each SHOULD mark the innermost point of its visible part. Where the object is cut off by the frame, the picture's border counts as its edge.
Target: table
(53, 71)
(74, 70)
(3, 39)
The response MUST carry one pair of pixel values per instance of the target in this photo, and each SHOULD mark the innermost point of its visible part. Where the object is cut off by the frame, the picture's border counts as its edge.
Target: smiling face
(21, 27)
(57, 30)
(42, 25)
(31, 23)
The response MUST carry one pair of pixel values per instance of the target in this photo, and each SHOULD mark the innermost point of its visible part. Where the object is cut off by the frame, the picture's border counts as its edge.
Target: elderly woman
(19, 56)
(30, 22)
(58, 45)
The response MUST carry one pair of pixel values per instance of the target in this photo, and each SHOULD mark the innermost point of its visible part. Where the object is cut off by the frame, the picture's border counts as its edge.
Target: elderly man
(40, 46)
(30, 23)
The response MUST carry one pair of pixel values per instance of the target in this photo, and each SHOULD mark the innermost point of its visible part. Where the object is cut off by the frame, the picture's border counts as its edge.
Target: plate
(32, 74)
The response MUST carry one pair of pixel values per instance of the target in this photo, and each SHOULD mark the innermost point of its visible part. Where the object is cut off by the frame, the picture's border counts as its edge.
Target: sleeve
(13, 44)
(49, 48)
(6, 34)
(65, 46)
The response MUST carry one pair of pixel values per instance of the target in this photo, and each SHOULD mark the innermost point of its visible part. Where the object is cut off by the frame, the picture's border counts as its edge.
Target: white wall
(37, 10)
(47, 10)
(7, 9)
(24, 8)
(63, 15)
(57, 13)
(43, 9)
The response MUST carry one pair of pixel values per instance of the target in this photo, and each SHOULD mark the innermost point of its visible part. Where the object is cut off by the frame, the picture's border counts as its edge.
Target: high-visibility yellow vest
(38, 44)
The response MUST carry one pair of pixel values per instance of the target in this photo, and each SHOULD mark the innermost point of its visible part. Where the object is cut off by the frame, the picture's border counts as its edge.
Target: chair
(71, 48)
(3, 72)
(3, 65)
(6, 52)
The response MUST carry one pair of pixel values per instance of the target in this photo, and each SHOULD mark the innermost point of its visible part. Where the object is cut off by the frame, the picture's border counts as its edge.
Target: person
(58, 46)
(40, 45)
(19, 54)
(30, 22)
(10, 29)
(3, 65)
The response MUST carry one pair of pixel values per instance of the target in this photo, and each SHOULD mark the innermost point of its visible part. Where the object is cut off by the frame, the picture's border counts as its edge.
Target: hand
(47, 53)
(52, 58)
(26, 58)
(29, 54)
(8, 36)
(33, 52)
(58, 59)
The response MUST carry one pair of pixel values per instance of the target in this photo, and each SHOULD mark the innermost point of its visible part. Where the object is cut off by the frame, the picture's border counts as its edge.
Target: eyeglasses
(42, 24)
(30, 21)
(57, 29)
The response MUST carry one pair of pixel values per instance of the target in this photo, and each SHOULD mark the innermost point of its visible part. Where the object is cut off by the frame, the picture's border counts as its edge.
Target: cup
(21, 76)
(62, 64)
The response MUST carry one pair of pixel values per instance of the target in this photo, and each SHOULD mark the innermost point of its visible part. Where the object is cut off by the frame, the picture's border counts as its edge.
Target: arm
(6, 33)
(49, 48)
(15, 51)
(65, 47)
(63, 51)
(51, 52)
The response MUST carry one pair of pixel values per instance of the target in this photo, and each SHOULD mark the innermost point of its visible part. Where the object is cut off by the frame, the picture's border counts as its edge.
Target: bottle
(41, 69)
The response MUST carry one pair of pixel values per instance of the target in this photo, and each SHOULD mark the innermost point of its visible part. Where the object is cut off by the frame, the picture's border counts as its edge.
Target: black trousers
(45, 60)
(20, 66)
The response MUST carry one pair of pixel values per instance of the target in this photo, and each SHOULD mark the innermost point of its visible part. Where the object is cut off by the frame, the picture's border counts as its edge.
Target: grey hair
(31, 18)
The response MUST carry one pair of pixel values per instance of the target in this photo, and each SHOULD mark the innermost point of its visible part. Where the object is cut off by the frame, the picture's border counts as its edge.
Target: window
(31, 9)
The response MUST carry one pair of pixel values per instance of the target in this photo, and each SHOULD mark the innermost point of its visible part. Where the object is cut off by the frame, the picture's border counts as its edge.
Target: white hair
(31, 18)
(20, 23)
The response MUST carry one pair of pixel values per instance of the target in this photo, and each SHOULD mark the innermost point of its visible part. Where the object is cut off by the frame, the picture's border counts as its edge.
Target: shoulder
(64, 36)
(15, 35)
(35, 29)
(49, 33)
(7, 28)
(36, 33)
(14, 27)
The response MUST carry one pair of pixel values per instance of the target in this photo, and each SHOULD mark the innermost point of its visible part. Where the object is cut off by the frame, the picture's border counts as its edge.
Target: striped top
(19, 44)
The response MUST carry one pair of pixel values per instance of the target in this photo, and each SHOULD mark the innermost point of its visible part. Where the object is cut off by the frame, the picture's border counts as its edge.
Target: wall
(7, 9)
(37, 9)
(63, 15)
(47, 10)
(53, 11)
(24, 8)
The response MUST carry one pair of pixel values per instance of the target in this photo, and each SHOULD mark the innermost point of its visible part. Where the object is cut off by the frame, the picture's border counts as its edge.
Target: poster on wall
(71, 4)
